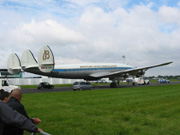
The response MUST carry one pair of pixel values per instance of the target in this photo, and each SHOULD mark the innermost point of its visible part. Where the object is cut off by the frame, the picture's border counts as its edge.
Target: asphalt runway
(64, 89)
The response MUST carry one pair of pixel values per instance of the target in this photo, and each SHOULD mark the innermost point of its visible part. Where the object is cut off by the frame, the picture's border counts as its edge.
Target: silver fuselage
(81, 71)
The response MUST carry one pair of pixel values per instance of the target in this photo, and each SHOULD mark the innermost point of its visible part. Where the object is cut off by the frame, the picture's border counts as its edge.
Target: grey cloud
(98, 36)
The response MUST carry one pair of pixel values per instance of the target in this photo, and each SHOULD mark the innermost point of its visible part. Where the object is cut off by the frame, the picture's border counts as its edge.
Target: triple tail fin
(28, 60)
(14, 64)
(46, 59)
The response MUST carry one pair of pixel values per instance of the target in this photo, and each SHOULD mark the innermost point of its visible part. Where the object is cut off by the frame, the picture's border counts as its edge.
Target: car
(45, 85)
(82, 86)
(161, 80)
(140, 81)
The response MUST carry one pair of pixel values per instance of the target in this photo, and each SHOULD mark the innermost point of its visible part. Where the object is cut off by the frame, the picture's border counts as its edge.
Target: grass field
(151, 110)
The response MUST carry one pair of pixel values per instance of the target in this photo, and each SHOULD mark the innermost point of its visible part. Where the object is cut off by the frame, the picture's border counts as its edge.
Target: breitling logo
(46, 55)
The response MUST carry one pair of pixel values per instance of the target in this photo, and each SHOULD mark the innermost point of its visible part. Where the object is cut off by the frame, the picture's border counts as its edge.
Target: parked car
(163, 81)
(82, 86)
(45, 85)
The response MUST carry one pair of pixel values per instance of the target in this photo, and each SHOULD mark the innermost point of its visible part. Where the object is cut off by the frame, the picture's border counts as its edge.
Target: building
(5, 74)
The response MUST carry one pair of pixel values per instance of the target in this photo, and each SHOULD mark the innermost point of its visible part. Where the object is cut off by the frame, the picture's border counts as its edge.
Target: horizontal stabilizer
(14, 64)
(28, 60)
(46, 59)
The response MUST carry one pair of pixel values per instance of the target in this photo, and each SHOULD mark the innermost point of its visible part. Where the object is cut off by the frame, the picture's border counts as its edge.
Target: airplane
(95, 71)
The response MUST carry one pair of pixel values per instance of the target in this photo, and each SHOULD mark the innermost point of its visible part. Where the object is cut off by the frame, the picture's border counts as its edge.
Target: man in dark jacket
(9, 116)
(4, 96)
(15, 103)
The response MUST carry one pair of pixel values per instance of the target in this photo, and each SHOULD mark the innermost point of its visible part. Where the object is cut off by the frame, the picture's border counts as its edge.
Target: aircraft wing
(135, 71)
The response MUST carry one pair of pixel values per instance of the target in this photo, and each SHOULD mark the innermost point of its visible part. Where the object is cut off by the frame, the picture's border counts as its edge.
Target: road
(63, 89)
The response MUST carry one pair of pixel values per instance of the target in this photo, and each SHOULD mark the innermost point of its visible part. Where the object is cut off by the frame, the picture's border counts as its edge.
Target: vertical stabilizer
(28, 60)
(14, 64)
(46, 59)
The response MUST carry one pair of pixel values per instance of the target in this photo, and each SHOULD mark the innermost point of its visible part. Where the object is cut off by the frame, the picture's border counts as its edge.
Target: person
(15, 103)
(9, 116)
(5, 83)
(4, 95)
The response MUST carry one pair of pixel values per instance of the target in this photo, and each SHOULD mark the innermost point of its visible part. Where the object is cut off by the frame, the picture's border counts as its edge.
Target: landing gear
(113, 85)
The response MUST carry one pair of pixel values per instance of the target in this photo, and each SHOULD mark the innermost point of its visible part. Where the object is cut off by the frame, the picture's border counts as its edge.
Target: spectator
(15, 103)
(4, 95)
(9, 116)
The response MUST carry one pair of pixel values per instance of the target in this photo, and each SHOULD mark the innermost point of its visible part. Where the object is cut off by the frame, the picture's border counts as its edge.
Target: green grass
(70, 85)
(151, 110)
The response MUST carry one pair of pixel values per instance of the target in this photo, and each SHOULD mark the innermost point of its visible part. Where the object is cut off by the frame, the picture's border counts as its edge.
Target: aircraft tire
(113, 85)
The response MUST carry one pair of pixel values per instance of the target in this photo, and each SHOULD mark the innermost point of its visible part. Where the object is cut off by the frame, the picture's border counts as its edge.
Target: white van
(7, 85)
(140, 81)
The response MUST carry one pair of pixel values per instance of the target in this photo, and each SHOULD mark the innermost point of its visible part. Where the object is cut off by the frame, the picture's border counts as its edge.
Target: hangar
(5, 74)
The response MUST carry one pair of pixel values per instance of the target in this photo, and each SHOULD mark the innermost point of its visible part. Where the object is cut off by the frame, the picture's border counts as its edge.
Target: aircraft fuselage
(83, 71)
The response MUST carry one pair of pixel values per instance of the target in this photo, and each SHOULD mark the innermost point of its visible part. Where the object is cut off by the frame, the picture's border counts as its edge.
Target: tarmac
(99, 87)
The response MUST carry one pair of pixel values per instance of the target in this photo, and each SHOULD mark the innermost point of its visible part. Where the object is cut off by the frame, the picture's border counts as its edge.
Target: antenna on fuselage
(124, 58)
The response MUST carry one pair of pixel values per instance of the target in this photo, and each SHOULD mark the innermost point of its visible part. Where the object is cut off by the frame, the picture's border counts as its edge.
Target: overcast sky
(146, 32)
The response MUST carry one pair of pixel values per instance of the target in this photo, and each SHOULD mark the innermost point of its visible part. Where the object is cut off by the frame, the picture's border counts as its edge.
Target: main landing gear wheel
(113, 85)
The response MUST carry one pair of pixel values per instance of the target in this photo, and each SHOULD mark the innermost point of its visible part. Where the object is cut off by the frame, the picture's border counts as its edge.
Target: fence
(36, 81)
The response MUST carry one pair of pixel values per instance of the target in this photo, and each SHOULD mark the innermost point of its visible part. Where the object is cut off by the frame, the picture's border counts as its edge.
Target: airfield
(139, 110)
(99, 87)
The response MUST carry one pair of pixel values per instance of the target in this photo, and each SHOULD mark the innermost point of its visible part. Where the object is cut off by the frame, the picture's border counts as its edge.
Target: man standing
(14, 102)
(9, 116)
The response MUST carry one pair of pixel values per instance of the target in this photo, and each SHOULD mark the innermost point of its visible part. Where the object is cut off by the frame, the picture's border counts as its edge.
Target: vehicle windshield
(82, 83)
(76, 83)
(46, 83)
(7, 82)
